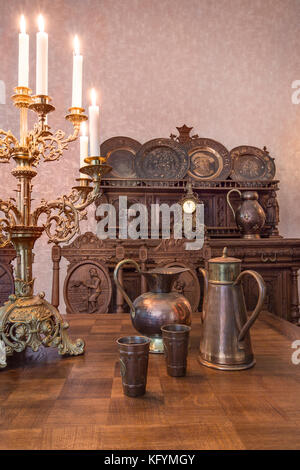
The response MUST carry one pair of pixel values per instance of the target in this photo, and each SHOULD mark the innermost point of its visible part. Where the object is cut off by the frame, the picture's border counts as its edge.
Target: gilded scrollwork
(7, 143)
(34, 322)
(12, 218)
(81, 199)
(5, 236)
(22, 287)
(62, 221)
(42, 143)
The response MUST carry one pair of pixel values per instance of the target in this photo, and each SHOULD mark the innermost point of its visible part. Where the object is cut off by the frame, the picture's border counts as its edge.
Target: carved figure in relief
(204, 165)
(272, 209)
(94, 290)
(179, 286)
(250, 168)
(160, 162)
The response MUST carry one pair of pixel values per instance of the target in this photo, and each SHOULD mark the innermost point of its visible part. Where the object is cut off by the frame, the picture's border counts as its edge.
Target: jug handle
(228, 199)
(259, 305)
(205, 277)
(119, 285)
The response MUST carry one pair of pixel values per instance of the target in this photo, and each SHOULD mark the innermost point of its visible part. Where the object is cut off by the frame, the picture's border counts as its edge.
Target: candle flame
(93, 97)
(22, 24)
(76, 45)
(83, 128)
(41, 23)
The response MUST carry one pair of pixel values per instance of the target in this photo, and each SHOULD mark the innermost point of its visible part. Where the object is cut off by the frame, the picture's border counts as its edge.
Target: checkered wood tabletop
(53, 402)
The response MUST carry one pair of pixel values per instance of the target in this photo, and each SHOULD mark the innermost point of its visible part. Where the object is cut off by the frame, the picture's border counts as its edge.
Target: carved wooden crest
(87, 241)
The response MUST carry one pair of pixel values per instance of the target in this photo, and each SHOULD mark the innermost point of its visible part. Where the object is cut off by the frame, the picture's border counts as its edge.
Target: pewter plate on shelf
(209, 160)
(161, 158)
(120, 153)
(251, 164)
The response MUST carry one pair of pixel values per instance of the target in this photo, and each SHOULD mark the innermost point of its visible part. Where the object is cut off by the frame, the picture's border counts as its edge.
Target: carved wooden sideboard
(153, 173)
(278, 262)
(89, 252)
(212, 171)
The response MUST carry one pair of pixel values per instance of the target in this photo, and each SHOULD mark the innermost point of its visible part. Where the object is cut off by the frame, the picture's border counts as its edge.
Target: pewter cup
(176, 342)
(134, 353)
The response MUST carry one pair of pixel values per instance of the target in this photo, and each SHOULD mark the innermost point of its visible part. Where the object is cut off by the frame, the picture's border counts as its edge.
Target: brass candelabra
(28, 320)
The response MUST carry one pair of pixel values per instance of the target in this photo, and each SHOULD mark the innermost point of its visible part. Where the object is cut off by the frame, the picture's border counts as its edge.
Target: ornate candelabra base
(32, 322)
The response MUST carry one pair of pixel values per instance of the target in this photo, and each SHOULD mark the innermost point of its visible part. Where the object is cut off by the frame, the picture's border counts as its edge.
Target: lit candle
(23, 55)
(94, 126)
(84, 144)
(77, 76)
(41, 59)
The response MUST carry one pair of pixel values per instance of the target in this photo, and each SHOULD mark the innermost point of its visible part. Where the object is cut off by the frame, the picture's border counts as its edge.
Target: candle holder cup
(96, 167)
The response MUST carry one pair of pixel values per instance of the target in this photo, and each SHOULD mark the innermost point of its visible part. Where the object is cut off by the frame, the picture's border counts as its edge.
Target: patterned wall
(223, 66)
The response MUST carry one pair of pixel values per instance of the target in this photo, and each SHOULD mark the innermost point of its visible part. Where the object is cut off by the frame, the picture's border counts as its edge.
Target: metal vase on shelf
(250, 216)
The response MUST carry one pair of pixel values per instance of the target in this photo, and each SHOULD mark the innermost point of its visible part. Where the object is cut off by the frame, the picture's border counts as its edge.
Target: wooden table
(49, 402)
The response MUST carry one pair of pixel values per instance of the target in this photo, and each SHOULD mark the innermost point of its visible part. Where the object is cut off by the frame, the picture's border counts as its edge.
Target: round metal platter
(161, 159)
(209, 160)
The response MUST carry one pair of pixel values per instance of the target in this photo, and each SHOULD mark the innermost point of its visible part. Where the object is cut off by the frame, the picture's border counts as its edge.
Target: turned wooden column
(119, 296)
(56, 256)
(120, 254)
(295, 296)
(143, 256)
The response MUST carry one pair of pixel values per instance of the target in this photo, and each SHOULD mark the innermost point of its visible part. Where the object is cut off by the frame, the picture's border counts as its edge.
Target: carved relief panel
(87, 288)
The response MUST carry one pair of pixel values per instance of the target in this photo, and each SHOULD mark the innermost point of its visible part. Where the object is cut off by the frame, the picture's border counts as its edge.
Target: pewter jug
(225, 339)
(249, 216)
(159, 307)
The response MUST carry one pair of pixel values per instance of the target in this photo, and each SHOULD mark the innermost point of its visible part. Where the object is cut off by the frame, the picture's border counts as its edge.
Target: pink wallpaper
(223, 66)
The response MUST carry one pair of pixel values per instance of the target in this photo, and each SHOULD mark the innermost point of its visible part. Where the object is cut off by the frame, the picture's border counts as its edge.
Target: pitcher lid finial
(224, 258)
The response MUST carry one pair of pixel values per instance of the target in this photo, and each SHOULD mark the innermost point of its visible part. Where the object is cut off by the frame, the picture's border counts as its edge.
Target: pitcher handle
(259, 305)
(119, 285)
(205, 279)
(228, 199)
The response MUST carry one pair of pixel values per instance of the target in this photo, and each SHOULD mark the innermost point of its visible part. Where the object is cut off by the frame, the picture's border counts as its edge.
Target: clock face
(189, 206)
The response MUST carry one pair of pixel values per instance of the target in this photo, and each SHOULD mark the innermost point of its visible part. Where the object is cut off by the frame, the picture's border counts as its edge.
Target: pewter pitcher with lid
(225, 339)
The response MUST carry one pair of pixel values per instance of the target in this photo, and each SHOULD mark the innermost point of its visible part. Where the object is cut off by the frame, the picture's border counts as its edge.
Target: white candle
(84, 145)
(94, 126)
(77, 76)
(41, 59)
(23, 55)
